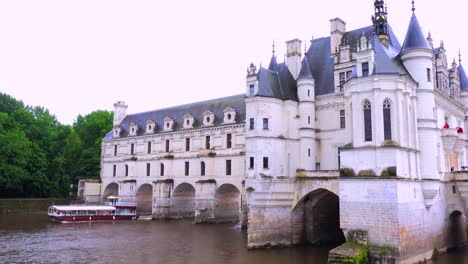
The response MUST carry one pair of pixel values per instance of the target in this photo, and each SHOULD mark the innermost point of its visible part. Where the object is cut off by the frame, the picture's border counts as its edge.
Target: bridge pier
(205, 201)
(162, 199)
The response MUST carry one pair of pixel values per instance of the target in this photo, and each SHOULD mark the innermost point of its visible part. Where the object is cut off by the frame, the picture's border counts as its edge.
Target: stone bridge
(205, 200)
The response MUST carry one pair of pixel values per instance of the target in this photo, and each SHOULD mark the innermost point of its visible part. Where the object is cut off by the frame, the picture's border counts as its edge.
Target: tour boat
(112, 210)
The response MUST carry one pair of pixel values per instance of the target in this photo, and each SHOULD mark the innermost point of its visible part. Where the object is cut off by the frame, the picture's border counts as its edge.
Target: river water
(28, 237)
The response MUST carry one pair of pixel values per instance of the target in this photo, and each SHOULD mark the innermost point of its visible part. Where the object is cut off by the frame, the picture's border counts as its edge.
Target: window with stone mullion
(367, 121)
(387, 120)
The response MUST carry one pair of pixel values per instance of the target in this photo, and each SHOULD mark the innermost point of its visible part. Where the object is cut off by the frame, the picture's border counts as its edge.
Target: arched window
(202, 168)
(161, 169)
(367, 121)
(387, 120)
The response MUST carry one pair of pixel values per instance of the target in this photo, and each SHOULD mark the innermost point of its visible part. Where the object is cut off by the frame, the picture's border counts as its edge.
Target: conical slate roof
(463, 78)
(305, 70)
(273, 64)
(414, 37)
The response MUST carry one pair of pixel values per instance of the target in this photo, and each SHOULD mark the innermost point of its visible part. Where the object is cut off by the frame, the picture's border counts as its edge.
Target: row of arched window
(387, 120)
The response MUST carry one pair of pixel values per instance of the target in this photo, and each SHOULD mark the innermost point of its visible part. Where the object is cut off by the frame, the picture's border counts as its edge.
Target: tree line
(40, 157)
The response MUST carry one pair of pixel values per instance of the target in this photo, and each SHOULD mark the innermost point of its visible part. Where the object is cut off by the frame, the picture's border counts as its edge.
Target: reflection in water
(31, 238)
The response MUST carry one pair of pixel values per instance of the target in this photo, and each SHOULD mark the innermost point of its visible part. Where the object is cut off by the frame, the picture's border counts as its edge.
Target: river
(28, 237)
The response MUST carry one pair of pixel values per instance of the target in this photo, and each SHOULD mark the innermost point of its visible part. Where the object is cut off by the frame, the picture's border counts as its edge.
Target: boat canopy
(82, 208)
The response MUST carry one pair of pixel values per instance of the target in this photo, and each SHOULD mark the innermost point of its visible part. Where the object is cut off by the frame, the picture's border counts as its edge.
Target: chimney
(293, 56)
(120, 112)
(337, 30)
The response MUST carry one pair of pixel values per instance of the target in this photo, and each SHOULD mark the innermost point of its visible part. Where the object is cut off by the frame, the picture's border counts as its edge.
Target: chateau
(358, 132)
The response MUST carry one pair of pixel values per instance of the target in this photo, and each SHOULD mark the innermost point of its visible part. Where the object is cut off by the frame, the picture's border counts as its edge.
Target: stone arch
(457, 236)
(183, 201)
(112, 189)
(316, 219)
(227, 203)
(144, 199)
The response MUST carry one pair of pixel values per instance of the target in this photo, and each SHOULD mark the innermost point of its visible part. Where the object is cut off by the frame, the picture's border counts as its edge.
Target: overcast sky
(74, 57)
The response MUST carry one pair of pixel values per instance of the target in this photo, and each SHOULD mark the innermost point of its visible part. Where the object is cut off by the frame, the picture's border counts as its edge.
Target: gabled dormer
(189, 121)
(364, 57)
(208, 118)
(229, 116)
(133, 129)
(150, 127)
(117, 131)
(168, 124)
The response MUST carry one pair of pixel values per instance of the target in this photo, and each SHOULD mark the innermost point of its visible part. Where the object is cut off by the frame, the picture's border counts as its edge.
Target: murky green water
(29, 237)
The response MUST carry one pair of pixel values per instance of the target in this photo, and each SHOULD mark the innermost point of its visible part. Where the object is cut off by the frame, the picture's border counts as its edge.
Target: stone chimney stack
(293, 56)
(337, 30)
(120, 112)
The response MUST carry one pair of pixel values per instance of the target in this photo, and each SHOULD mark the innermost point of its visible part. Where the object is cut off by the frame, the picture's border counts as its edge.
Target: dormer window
(188, 121)
(168, 124)
(208, 118)
(117, 131)
(229, 116)
(150, 127)
(133, 129)
(252, 90)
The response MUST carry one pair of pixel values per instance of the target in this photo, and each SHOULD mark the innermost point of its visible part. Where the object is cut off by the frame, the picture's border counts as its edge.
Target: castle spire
(413, 9)
(380, 20)
(459, 56)
(273, 63)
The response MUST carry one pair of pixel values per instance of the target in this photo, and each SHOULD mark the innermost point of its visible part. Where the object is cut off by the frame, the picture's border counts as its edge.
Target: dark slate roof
(277, 82)
(217, 106)
(463, 78)
(273, 64)
(414, 37)
(321, 63)
(387, 59)
(305, 70)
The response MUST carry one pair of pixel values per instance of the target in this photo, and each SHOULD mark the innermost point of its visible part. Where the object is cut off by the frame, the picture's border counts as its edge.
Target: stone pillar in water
(205, 201)
(162, 199)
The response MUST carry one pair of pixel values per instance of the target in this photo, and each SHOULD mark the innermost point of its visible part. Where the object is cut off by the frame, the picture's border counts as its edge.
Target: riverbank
(12, 206)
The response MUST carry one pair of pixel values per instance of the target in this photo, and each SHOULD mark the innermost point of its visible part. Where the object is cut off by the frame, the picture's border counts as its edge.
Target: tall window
(265, 162)
(251, 162)
(428, 70)
(387, 120)
(148, 169)
(367, 121)
(114, 170)
(252, 90)
(149, 147)
(228, 167)
(308, 152)
(115, 150)
(126, 170)
(167, 145)
(308, 120)
(342, 80)
(265, 123)
(132, 149)
(342, 119)
(161, 169)
(208, 142)
(202, 168)
(187, 144)
(229, 140)
(252, 124)
(365, 69)
(187, 168)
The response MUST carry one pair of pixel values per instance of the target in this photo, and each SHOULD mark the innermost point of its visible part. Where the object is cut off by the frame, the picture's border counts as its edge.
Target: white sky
(74, 57)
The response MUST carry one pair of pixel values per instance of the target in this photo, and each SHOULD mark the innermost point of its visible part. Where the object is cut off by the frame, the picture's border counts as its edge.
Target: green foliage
(39, 157)
(367, 173)
(347, 172)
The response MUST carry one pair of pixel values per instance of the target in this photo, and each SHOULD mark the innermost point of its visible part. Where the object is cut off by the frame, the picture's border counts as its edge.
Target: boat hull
(95, 218)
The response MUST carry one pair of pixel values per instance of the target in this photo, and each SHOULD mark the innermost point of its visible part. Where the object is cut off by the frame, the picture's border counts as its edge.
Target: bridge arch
(227, 203)
(457, 236)
(112, 189)
(144, 199)
(317, 218)
(183, 201)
